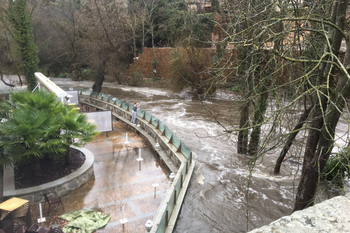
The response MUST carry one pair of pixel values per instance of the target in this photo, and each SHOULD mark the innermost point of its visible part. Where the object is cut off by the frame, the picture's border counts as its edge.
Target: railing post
(166, 218)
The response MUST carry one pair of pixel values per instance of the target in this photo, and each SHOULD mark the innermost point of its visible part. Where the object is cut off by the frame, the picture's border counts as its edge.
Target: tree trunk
(242, 147)
(143, 44)
(242, 143)
(1, 182)
(13, 60)
(312, 169)
(21, 20)
(320, 143)
(36, 168)
(155, 62)
(100, 77)
(67, 158)
(134, 42)
(259, 113)
(7, 84)
(290, 140)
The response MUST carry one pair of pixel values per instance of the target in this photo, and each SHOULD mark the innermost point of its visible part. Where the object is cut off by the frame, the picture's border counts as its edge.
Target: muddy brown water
(216, 200)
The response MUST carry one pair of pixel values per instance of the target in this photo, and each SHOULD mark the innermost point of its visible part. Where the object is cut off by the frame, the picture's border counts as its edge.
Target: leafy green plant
(155, 63)
(89, 74)
(337, 167)
(38, 126)
(135, 78)
(74, 129)
(64, 75)
(236, 88)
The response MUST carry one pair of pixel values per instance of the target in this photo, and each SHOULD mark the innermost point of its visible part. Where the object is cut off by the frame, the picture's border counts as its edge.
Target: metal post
(149, 225)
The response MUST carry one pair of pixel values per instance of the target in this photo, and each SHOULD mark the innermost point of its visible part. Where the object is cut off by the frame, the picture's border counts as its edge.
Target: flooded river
(216, 200)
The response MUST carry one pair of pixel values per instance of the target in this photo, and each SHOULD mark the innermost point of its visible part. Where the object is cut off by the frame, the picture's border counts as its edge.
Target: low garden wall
(61, 186)
(179, 159)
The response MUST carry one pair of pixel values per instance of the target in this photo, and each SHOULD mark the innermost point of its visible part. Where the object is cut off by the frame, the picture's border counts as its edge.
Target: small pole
(155, 185)
(40, 210)
(123, 221)
(139, 159)
(149, 225)
(127, 140)
(123, 211)
(41, 219)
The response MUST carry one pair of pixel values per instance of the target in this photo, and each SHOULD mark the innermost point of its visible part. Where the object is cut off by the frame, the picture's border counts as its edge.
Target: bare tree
(270, 46)
(105, 22)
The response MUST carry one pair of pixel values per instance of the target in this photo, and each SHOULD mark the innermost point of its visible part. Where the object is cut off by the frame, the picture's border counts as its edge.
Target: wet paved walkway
(118, 181)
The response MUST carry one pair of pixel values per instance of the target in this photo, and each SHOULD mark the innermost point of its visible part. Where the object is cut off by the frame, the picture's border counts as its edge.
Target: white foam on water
(146, 91)
(200, 179)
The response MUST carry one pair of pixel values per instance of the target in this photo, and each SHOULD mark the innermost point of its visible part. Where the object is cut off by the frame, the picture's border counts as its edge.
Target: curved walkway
(118, 181)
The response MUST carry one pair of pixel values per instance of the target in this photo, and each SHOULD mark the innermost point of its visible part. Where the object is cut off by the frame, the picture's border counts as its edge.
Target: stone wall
(329, 216)
(60, 186)
(165, 69)
(163, 56)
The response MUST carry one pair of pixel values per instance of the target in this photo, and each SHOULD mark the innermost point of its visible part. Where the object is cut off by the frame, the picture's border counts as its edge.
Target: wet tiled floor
(118, 180)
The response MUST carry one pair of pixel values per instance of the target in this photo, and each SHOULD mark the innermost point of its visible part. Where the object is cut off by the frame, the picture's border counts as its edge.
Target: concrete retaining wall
(60, 186)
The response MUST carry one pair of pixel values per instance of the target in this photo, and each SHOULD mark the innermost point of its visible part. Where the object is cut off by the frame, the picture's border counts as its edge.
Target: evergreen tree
(17, 21)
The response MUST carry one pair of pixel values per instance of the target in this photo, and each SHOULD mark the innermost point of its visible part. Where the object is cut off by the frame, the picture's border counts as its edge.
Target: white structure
(102, 119)
(51, 87)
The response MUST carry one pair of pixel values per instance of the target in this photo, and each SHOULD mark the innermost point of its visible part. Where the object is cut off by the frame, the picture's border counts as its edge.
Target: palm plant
(75, 129)
(30, 129)
(38, 125)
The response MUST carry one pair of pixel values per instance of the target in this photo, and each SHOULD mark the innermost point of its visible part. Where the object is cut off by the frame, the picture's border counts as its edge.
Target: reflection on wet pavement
(117, 181)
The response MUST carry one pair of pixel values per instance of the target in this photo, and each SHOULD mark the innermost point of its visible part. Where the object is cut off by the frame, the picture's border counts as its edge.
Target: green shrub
(38, 126)
(337, 167)
(236, 88)
(135, 78)
(64, 75)
(89, 74)
(191, 68)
